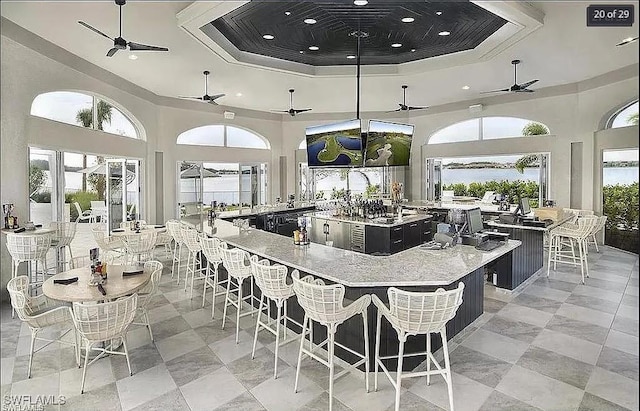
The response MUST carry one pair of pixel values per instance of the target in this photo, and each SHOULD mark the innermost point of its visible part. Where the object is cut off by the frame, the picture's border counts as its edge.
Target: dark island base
(350, 333)
(516, 267)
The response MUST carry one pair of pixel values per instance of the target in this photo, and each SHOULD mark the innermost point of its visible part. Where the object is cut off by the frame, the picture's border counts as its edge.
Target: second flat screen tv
(388, 144)
(335, 145)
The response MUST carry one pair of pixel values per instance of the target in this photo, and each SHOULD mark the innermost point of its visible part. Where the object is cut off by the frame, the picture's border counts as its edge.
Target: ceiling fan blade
(524, 90)
(302, 110)
(112, 51)
(280, 111)
(94, 29)
(143, 47)
(393, 111)
(527, 84)
(495, 91)
(191, 98)
(216, 96)
(627, 41)
(416, 108)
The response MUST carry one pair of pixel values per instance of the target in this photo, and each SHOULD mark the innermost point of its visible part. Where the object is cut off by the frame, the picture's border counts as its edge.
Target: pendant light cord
(358, 77)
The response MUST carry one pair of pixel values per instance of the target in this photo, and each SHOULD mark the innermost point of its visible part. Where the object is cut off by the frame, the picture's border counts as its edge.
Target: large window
(84, 110)
(487, 128)
(628, 116)
(219, 135)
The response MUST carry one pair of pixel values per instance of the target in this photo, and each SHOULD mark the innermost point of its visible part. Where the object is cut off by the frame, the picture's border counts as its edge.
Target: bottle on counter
(296, 237)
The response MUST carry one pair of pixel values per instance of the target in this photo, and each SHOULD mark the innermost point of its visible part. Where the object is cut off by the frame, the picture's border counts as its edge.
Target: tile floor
(554, 345)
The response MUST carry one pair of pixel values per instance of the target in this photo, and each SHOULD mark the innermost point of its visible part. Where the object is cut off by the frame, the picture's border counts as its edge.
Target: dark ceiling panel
(468, 24)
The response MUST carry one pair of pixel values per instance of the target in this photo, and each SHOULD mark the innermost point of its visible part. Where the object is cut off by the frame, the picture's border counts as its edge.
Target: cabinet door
(412, 234)
(376, 240)
(427, 234)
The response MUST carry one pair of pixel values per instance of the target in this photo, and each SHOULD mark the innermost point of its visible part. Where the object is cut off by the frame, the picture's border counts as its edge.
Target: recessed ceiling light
(438, 13)
(314, 48)
(360, 2)
(301, 51)
(310, 21)
(268, 37)
(444, 33)
(466, 87)
(396, 45)
(133, 57)
(351, 56)
(407, 20)
(413, 50)
(238, 94)
(287, 13)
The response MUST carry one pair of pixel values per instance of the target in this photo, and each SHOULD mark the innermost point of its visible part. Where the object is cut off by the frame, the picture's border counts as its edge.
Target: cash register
(476, 235)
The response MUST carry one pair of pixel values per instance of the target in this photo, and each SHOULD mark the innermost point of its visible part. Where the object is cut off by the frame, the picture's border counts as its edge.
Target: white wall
(572, 113)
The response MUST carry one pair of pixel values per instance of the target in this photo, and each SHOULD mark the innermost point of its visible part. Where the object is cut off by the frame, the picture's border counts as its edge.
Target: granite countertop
(366, 221)
(527, 227)
(484, 207)
(413, 267)
(263, 210)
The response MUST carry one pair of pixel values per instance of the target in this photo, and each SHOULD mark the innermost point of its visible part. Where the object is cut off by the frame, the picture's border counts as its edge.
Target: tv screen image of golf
(335, 145)
(388, 144)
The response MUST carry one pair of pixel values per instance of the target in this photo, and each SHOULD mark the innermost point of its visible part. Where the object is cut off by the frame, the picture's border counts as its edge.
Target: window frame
(481, 136)
(225, 141)
(616, 113)
(137, 126)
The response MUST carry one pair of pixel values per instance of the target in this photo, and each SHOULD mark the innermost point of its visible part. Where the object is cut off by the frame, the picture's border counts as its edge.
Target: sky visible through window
(469, 130)
(623, 119)
(213, 135)
(63, 106)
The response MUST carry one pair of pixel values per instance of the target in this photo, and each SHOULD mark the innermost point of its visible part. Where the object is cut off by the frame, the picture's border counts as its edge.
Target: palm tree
(85, 118)
(633, 119)
(530, 129)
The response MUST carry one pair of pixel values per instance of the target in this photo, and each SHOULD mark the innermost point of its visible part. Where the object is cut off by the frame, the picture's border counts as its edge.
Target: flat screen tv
(388, 144)
(335, 145)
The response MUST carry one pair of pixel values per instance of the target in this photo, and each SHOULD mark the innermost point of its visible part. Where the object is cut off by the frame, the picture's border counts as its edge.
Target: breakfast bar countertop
(413, 267)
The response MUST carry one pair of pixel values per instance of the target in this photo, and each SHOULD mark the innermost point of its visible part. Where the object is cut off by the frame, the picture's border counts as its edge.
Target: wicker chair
(194, 269)
(146, 293)
(272, 281)
(28, 248)
(234, 262)
(64, 235)
(570, 235)
(211, 250)
(39, 313)
(139, 245)
(103, 323)
(324, 304)
(108, 245)
(416, 313)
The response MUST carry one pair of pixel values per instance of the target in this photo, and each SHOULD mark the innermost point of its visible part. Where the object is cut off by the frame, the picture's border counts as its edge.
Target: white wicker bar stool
(194, 268)
(415, 313)
(234, 262)
(211, 250)
(39, 313)
(272, 281)
(146, 293)
(102, 322)
(173, 227)
(62, 238)
(28, 248)
(570, 235)
(324, 304)
(599, 226)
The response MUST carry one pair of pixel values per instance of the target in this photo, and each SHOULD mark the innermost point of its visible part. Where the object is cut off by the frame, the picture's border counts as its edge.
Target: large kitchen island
(415, 269)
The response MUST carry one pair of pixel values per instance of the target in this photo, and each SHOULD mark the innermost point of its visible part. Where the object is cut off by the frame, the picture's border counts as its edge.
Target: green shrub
(620, 205)
(42, 197)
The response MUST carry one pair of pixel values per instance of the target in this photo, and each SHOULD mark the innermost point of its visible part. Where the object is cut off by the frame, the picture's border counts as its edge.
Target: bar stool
(64, 235)
(173, 226)
(190, 239)
(146, 293)
(272, 281)
(414, 313)
(599, 226)
(571, 235)
(234, 262)
(324, 304)
(28, 248)
(211, 250)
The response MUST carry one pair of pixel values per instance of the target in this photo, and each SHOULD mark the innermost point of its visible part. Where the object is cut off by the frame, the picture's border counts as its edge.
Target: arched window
(84, 110)
(627, 116)
(219, 135)
(487, 128)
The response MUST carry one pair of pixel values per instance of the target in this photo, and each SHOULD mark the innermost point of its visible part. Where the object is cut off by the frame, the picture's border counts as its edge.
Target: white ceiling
(563, 51)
